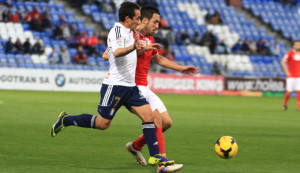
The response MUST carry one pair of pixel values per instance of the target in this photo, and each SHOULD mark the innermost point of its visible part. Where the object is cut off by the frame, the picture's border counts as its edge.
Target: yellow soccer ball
(226, 147)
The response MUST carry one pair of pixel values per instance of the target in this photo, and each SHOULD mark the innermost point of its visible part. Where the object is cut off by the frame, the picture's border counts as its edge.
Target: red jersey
(293, 60)
(143, 61)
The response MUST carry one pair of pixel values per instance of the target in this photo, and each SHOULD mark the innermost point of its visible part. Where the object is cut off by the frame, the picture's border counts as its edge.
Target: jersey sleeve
(117, 38)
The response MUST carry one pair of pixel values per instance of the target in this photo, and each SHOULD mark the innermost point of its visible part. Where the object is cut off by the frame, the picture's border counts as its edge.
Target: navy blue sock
(150, 137)
(83, 120)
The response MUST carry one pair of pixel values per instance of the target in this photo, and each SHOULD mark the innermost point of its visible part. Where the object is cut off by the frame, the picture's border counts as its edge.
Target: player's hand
(153, 46)
(287, 74)
(191, 70)
(137, 43)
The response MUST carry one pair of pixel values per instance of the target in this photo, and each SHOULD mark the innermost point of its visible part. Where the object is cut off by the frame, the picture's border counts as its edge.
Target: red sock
(139, 143)
(160, 140)
(286, 98)
(298, 99)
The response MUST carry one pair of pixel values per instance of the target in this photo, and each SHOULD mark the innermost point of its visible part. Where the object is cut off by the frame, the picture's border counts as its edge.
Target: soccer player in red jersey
(150, 17)
(292, 72)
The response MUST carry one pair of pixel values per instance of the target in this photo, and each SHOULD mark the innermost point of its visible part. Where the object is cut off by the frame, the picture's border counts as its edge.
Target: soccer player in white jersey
(119, 88)
(150, 20)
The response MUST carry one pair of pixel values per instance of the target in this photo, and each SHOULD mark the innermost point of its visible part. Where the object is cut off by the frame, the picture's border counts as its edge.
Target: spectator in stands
(208, 39)
(252, 47)
(163, 23)
(266, 48)
(5, 15)
(103, 38)
(245, 47)
(260, 46)
(178, 40)
(92, 42)
(2, 8)
(9, 46)
(72, 42)
(142, 2)
(27, 46)
(221, 48)
(27, 17)
(20, 14)
(10, 12)
(35, 14)
(45, 13)
(47, 24)
(18, 46)
(170, 37)
(216, 69)
(80, 56)
(58, 32)
(82, 39)
(105, 7)
(196, 39)
(65, 55)
(225, 71)
(66, 31)
(53, 57)
(169, 54)
(216, 19)
(38, 48)
(237, 48)
(159, 37)
(208, 16)
(35, 24)
(14, 17)
(113, 5)
(185, 37)
(73, 29)
(8, 3)
(61, 20)
(275, 49)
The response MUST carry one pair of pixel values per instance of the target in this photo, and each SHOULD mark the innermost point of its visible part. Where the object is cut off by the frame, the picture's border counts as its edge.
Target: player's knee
(167, 124)
(101, 124)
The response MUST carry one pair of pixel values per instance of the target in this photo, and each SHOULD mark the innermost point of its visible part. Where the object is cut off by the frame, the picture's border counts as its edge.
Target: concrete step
(78, 14)
(259, 24)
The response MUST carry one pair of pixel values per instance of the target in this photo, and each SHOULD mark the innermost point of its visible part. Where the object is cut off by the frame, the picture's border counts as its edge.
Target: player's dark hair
(295, 41)
(148, 11)
(127, 9)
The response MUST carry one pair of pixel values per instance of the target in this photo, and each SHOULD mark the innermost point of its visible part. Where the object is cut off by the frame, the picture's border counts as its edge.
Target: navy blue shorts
(114, 96)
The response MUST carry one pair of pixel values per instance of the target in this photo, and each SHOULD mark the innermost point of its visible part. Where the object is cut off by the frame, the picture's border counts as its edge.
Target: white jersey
(121, 69)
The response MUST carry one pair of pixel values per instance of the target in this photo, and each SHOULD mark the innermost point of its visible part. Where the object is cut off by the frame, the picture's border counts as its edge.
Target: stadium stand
(182, 16)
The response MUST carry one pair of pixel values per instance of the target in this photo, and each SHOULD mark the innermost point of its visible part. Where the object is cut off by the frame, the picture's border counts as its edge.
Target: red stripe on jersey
(143, 61)
(293, 60)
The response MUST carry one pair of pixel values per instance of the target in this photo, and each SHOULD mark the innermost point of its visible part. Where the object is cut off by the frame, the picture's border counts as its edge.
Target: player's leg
(139, 105)
(155, 103)
(297, 88)
(289, 88)
(107, 104)
(146, 114)
(65, 120)
(166, 121)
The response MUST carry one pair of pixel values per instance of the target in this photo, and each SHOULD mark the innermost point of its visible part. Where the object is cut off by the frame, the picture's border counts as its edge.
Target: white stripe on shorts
(107, 95)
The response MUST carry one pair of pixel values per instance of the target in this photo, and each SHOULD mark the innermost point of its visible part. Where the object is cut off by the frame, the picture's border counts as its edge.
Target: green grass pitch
(268, 137)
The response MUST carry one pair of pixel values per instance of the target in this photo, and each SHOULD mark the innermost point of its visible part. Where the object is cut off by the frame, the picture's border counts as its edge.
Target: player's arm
(126, 50)
(160, 60)
(153, 46)
(284, 66)
(105, 55)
